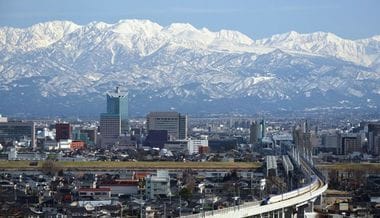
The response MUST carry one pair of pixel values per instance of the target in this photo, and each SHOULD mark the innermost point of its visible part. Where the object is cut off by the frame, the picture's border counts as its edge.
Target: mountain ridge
(181, 66)
(145, 27)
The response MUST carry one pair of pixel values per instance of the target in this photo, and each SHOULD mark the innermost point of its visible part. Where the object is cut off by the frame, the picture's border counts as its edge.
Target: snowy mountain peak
(324, 36)
(234, 36)
(377, 38)
(299, 37)
(146, 36)
(176, 28)
(99, 25)
(61, 25)
(323, 44)
(292, 35)
(37, 36)
(181, 66)
(134, 26)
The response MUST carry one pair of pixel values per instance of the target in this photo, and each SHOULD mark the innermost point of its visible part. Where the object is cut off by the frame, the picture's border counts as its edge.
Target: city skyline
(190, 109)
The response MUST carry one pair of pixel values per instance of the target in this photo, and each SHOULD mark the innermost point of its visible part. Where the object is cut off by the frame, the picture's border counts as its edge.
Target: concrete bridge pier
(273, 214)
(319, 200)
(301, 211)
(290, 212)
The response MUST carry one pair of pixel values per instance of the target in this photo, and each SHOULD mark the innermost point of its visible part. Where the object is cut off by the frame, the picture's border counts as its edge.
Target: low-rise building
(159, 184)
(77, 145)
(121, 187)
(95, 193)
(194, 145)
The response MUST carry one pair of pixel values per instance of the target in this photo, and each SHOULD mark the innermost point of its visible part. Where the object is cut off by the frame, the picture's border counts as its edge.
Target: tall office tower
(117, 103)
(110, 128)
(173, 122)
(115, 122)
(62, 131)
(22, 132)
(373, 136)
(302, 140)
(305, 126)
(254, 133)
(262, 129)
(182, 134)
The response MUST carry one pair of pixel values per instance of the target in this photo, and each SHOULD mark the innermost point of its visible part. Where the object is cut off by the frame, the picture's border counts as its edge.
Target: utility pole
(239, 194)
(15, 191)
(180, 205)
(121, 209)
(203, 204)
(251, 185)
(213, 203)
(164, 209)
(141, 200)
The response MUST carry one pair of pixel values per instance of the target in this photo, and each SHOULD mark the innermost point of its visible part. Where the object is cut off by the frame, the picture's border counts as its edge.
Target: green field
(100, 165)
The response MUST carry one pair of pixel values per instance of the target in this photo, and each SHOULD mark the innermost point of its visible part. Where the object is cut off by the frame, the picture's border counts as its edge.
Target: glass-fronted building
(11, 132)
(117, 103)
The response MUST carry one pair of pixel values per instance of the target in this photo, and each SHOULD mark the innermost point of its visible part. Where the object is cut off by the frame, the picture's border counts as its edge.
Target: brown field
(81, 165)
(350, 166)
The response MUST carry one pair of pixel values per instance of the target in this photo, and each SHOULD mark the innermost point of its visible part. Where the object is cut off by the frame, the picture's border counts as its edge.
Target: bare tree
(50, 167)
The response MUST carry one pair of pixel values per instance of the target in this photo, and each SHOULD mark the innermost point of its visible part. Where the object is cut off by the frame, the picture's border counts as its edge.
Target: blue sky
(351, 19)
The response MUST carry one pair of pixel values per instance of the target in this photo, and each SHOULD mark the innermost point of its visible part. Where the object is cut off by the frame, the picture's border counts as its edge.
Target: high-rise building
(262, 129)
(22, 132)
(254, 133)
(117, 103)
(62, 131)
(115, 122)
(302, 140)
(110, 128)
(182, 132)
(350, 144)
(373, 137)
(173, 122)
(330, 143)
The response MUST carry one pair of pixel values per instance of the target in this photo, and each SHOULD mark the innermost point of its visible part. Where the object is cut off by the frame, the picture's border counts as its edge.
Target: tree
(188, 179)
(50, 167)
(185, 193)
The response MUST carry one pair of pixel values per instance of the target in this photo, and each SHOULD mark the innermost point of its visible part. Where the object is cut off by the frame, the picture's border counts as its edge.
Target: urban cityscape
(169, 164)
(192, 109)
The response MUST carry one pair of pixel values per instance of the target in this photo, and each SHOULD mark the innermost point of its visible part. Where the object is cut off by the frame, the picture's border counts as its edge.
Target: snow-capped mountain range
(60, 67)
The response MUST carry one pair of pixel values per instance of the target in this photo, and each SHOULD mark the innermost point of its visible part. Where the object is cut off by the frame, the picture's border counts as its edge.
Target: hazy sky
(347, 18)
